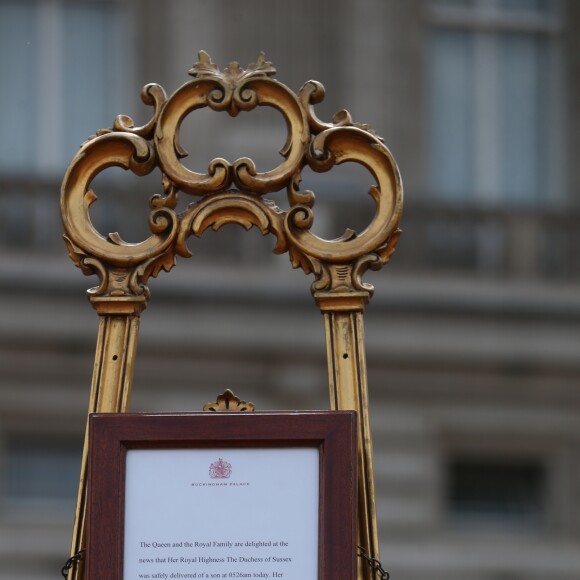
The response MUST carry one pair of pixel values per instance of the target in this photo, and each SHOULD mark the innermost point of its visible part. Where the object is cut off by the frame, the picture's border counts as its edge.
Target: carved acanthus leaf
(299, 259)
(164, 262)
(98, 268)
(261, 68)
(77, 256)
(204, 67)
(374, 261)
(387, 250)
(233, 74)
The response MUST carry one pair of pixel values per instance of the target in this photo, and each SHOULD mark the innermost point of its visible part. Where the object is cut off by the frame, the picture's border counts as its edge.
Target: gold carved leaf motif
(227, 402)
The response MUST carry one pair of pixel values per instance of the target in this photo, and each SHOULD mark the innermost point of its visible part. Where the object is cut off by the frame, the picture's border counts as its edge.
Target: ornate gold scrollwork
(231, 192)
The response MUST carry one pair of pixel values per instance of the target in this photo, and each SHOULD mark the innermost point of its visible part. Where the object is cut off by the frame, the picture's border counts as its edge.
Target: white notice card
(221, 513)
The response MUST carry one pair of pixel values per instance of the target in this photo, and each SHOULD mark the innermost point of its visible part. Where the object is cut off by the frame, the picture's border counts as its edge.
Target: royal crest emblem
(220, 469)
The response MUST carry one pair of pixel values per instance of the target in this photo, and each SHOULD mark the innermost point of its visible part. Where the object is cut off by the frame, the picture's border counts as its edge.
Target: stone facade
(472, 335)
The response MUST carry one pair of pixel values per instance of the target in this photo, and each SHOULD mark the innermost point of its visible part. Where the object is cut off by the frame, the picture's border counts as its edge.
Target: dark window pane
(496, 491)
(41, 474)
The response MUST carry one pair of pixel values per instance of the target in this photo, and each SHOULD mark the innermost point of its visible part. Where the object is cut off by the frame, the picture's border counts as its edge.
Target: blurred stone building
(472, 336)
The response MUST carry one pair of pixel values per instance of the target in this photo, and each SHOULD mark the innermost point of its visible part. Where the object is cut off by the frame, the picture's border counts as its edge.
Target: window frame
(486, 22)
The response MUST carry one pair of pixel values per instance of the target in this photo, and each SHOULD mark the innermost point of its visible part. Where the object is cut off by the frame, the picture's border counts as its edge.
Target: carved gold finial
(228, 403)
(233, 73)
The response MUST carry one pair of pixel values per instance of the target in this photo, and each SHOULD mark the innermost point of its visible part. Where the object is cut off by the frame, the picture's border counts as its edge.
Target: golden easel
(233, 193)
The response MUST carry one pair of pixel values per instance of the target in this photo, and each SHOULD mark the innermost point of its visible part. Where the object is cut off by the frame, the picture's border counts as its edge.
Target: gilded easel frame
(234, 193)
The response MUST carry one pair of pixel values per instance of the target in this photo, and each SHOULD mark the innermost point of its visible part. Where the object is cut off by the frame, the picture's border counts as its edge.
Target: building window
(496, 492)
(61, 65)
(494, 84)
(40, 475)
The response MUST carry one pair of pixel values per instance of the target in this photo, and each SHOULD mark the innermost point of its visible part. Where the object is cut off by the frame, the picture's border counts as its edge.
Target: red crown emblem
(220, 469)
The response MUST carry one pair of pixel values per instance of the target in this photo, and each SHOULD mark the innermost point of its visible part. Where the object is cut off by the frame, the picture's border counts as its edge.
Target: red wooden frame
(332, 432)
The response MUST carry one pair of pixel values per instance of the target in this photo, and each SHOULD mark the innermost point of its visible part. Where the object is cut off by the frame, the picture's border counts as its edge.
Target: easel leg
(349, 391)
(110, 390)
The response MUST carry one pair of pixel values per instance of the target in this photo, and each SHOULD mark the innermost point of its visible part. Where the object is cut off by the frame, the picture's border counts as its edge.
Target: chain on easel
(80, 555)
(375, 564)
